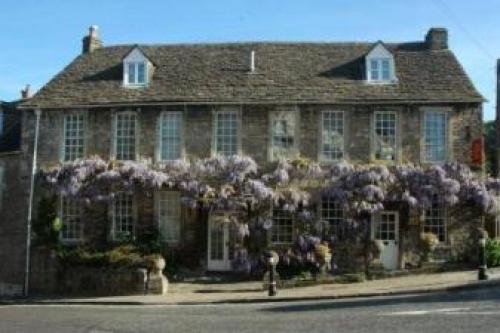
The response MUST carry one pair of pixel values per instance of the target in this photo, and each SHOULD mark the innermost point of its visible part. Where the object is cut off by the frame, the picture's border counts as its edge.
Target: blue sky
(40, 37)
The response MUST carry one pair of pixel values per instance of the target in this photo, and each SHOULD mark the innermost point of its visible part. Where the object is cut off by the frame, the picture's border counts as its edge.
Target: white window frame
(71, 210)
(114, 152)
(331, 216)
(276, 153)
(159, 136)
(376, 224)
(396, 136)
(336, 150)
(446, 143)
(281, 234)
(169, 226)
(135, 66)
(83, 130)
(440, 222)
(215, 127)
(132, 214)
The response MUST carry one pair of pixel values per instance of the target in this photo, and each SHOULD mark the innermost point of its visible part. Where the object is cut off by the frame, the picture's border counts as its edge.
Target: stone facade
(13, 218)
(464, 127)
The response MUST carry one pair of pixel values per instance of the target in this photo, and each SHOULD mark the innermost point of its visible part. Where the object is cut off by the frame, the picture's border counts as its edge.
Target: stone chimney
(91, 41)
(26, 92)
(437, 39)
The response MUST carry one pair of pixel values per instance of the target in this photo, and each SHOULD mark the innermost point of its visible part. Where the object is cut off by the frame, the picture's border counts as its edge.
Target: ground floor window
(168, 209)
(332, 214)
(282, 229)
(71, 218)
(123, 214)
(435, 220)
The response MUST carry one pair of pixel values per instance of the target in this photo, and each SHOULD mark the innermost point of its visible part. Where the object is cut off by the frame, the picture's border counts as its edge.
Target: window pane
(169, 215)
(131, 73)
(226, 133)
(385, 136)
(435, 136)
(282, 229)
(125, 137)
(332, 136)
(374, 64)
(283, 133)
(123, 216)
(70, 215)
(141, 73)
(170, 136)
(333, 214)
(386, 69)
(435, 220)
(73, 141)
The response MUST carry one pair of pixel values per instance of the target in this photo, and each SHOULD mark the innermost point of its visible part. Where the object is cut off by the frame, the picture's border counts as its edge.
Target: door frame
(396, 232)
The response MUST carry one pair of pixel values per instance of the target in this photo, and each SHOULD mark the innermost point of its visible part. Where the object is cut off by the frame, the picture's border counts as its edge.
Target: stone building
(13, 201)
(361, 102)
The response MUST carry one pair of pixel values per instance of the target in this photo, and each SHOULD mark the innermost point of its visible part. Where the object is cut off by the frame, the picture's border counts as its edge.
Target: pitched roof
(286, 72)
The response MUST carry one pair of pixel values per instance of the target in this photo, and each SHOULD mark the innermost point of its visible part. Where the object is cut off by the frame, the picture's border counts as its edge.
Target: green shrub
(493, 253)
(123, 256)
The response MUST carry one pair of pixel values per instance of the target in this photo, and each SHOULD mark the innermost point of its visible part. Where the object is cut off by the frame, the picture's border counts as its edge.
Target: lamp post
(272, 260)
(482, 275)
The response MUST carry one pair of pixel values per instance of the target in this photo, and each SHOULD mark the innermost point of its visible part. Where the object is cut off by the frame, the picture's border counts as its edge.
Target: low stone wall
(110, 282)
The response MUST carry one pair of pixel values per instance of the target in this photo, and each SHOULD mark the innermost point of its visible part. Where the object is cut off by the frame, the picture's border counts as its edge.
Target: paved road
(471, 311)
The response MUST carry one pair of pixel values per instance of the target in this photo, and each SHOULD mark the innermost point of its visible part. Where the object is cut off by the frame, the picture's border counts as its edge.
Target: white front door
(218, 245)
(386, 231)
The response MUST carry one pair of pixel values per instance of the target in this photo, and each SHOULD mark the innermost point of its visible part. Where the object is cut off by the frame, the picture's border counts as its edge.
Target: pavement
(462, 311)
(197, 293)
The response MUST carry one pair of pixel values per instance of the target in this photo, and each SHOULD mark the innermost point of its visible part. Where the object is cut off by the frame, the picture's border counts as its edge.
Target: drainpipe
(38, 113)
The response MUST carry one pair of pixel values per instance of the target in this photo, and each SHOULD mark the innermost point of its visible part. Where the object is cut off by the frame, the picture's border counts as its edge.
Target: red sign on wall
(477, 152)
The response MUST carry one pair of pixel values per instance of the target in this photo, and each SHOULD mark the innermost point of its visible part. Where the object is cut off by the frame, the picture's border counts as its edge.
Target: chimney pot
(26, 92)
(437, 39)
(91, 41)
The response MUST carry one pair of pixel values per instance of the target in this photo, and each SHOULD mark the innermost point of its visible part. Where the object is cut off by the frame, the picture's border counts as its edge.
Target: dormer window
(380, 65)
(136, 69)
(136, 73)
(380, 69)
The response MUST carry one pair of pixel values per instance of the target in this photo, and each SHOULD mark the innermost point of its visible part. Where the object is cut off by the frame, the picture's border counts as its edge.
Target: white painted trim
(448, 145)
(157, 208)
(135, 57)
(114, 132)
(274, 114)
(321, 158)
(62, 132)
(112, 210)
(397, 148)
(226, 110)
(60, 214)
(380, 53)
(158, 146)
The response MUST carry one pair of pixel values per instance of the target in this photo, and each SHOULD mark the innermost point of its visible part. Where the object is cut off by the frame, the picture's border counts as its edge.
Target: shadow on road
(442, 297)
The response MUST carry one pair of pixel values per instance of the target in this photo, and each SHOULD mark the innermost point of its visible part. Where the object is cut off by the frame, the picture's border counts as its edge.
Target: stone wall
(13, 219)
(465, 127)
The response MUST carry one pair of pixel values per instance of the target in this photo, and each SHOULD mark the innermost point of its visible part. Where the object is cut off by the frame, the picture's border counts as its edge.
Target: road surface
(466, 311)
